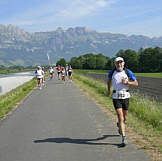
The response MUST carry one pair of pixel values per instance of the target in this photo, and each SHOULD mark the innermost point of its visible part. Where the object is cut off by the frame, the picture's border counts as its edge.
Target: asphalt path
(11, 81)
(59, 123)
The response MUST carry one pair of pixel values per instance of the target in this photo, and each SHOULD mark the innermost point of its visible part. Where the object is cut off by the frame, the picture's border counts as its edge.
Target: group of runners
(119, 78)
(63, 73)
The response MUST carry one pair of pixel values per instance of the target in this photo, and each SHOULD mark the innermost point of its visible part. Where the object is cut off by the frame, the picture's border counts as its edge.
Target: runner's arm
(109, 83)
(108, 87)
(132, 80)
(133, 83)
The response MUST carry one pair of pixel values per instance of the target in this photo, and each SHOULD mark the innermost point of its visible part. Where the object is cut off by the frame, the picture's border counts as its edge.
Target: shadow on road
(79, 141)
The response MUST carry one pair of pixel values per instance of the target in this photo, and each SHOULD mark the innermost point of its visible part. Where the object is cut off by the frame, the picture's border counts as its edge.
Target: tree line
(144, 60)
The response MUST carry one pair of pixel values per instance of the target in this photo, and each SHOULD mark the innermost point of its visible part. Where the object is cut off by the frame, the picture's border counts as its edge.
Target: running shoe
(124, 141)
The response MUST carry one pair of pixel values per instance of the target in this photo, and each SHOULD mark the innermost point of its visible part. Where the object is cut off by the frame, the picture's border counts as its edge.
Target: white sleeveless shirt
(39, 74)
(121, 90)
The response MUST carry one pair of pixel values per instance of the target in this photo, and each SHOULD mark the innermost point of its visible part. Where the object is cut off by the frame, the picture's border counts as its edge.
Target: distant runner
(121, 78)
(70, 73)
(63, 73)
(51, 72)
(66, 70)
(44, 76)
(59, 71)
(39, 75)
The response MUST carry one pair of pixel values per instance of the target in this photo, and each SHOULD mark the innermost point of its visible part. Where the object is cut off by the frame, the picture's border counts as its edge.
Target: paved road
(11, 81)
(59, 123)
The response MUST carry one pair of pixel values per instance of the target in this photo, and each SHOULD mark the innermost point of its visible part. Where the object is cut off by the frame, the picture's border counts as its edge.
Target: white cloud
(101, 3)
(80, 8)
(104, 3)
(60, 11)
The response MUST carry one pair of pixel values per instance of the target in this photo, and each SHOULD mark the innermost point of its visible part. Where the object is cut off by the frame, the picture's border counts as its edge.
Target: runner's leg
(121, 120)
(125, 113)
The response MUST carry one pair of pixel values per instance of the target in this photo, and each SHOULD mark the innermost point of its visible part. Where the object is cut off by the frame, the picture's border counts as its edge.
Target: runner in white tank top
(39, 75)
(121, 83)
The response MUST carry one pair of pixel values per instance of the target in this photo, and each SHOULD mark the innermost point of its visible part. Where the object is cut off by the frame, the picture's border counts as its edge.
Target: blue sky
(139, 17)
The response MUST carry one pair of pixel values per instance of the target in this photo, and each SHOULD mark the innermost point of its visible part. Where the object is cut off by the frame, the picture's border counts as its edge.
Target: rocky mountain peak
(17, 45)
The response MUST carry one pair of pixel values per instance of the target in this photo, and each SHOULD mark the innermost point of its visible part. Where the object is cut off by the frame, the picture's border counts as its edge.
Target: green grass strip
(9, 100)
(9, 71)
(145, 116)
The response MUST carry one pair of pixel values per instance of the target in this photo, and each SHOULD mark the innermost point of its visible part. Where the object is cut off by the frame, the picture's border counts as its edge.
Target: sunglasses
(119, 62)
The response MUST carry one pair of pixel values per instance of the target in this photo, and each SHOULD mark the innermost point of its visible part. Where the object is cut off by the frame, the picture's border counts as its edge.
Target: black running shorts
(70, 73)
(121, 103)
(39, 78)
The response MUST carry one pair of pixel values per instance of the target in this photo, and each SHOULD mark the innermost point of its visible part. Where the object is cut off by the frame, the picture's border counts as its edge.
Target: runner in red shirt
(59, 69)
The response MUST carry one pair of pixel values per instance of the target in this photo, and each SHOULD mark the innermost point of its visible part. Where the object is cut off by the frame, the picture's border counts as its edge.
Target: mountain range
(18, 47)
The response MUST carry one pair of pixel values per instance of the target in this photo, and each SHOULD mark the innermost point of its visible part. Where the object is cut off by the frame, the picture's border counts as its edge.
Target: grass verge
(9, 100)
(9, 71)
(144, 118)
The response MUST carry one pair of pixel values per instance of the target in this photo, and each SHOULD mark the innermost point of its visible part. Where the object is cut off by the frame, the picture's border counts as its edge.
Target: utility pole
(48, 57)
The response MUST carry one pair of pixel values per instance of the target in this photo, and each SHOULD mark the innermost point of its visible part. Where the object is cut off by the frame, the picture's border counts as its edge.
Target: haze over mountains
(18, 47)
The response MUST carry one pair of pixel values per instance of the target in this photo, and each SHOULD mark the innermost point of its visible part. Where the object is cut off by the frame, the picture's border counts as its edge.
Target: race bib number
(121, 95)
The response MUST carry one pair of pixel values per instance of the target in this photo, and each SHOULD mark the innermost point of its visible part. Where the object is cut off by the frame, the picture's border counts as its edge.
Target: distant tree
(91, 61)
(150, 60)
(2, 67)
(87, 61)
(100, 61)
(145, 60)
(16, 67)
(108, 64)
(75, 63)
(120, 52)
(61, 62)
(158, 56)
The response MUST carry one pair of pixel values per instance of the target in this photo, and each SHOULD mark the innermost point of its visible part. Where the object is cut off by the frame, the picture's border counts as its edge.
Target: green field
(154, 75)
